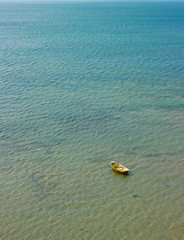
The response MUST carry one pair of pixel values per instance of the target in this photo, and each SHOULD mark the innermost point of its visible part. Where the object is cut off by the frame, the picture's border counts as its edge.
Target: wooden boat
(119, 168)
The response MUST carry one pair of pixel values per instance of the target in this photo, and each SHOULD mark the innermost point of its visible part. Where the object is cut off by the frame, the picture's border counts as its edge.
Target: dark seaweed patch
(35, 182)
(84, 230)
(23, 215)
(135, 196)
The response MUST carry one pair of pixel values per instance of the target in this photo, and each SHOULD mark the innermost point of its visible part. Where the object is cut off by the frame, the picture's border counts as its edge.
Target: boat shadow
(129, 174)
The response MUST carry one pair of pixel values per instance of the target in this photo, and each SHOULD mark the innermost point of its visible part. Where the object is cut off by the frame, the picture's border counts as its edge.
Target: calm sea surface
(82, 84)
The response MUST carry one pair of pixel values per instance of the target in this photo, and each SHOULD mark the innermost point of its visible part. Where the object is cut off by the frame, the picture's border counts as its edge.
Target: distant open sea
(83, 84)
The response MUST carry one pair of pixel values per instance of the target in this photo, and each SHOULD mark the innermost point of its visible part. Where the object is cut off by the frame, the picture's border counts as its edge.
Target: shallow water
(82, 85)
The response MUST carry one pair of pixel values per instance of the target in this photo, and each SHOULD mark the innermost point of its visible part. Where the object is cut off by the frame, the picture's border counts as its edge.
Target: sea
(83, 84)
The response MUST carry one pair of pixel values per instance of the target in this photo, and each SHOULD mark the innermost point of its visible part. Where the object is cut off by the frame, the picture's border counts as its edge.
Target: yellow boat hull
(119, 167)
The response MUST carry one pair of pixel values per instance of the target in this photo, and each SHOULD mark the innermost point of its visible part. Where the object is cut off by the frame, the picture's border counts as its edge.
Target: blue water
(82, 84)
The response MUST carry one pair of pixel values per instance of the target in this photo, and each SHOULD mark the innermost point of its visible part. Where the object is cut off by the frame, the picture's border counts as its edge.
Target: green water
(82, 85)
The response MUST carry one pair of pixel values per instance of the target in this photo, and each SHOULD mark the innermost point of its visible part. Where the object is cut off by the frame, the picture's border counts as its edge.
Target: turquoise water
(82, 84)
